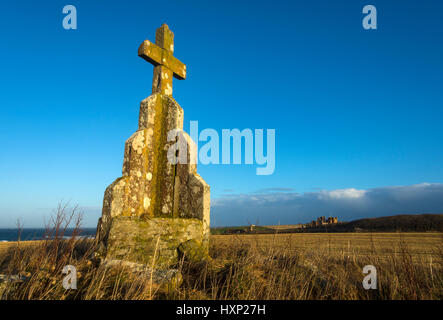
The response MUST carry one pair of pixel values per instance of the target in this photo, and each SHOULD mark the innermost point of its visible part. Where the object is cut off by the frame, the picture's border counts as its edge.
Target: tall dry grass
(237, 270)
(247, 271)
(40, 265)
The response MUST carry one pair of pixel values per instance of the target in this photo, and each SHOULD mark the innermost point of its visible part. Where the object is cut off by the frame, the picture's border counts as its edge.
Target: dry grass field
(420, 245)
(4, 246)
(283, 266)
(247, 266)
(283, 226)
(384, 245)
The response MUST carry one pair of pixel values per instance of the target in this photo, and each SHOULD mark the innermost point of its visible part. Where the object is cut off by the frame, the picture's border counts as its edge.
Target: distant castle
(322, 221)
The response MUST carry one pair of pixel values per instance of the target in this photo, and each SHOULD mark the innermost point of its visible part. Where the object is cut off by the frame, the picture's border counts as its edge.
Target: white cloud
(350, 193)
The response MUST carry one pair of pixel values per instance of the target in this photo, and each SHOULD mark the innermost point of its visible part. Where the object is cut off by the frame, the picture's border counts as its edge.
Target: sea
(27, 234)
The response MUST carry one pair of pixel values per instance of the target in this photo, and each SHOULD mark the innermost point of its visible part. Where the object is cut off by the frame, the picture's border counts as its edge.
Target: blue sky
(353, 109)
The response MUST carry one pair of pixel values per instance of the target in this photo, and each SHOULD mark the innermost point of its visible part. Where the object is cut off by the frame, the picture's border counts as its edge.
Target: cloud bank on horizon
(285, 206)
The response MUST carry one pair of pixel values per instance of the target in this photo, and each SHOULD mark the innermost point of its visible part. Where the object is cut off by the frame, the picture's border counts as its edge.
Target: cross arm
(159, 56)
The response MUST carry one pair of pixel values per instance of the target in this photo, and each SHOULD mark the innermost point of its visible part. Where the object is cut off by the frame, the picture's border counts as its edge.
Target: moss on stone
(192, 251)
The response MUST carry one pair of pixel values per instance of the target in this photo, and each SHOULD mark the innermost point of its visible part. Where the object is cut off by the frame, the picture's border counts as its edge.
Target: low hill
(241, 230)
(403, 223)
(398, 223)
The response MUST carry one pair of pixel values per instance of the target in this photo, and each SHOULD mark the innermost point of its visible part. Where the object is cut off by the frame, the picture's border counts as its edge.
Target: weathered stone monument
(157, 209)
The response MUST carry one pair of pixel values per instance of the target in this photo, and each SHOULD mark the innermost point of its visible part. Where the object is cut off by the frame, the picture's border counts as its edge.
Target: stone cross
(161, 56)
(156, 210)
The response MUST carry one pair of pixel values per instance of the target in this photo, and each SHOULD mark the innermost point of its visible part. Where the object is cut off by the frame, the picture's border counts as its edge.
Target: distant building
(322, 221)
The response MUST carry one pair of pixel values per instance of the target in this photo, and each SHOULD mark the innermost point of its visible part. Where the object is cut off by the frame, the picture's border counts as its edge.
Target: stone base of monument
(157, 242)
